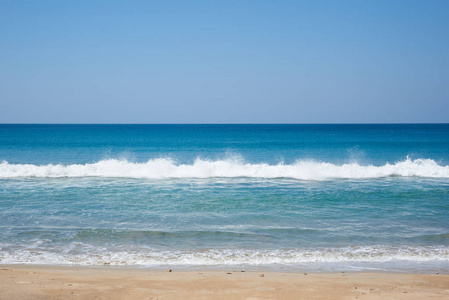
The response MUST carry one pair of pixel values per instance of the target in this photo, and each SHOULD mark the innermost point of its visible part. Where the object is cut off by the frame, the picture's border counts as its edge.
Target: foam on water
(163, 168)
(82, 254)
(216, 196)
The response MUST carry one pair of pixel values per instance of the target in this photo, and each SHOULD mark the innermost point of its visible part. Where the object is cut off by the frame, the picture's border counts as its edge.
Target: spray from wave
(163, 168)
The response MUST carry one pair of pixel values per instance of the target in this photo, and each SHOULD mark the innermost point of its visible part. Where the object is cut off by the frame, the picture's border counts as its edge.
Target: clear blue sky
(224, 61)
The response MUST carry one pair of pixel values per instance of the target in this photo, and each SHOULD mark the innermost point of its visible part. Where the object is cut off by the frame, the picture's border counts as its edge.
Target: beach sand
(49, 282)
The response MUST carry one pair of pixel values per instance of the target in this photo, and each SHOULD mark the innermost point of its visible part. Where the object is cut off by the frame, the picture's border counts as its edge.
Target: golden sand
(48, 282)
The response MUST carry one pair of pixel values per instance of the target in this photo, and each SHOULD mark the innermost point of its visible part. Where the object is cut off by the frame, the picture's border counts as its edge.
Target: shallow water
(290, 197)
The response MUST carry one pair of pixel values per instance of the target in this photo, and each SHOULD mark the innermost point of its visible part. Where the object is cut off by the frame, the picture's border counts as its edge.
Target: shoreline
(104, 282)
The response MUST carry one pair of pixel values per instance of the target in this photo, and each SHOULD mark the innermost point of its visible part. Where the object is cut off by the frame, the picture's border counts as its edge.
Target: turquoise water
(290, 197)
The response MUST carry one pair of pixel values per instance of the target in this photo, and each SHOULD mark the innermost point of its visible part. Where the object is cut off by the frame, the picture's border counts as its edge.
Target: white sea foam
(84, 255)
(163, 168)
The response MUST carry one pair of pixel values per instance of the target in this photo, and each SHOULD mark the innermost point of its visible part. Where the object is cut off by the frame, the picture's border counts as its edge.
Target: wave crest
(163, 168)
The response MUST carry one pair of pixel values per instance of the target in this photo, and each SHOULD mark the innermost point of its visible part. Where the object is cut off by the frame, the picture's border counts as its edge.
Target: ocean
(316, 198)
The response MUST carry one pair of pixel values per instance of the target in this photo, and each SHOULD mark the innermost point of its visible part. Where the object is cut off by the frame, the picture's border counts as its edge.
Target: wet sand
(49, 282)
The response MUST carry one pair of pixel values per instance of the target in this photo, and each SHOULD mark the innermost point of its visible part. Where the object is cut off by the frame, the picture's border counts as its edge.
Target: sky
(224, 61)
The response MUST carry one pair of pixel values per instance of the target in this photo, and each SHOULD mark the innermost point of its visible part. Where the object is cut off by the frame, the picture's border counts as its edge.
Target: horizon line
(249, 123)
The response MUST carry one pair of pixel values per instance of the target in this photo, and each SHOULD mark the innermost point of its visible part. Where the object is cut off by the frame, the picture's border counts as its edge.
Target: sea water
(281, 197)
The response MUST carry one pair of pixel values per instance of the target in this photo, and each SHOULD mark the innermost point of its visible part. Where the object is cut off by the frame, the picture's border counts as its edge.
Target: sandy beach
(49, 282)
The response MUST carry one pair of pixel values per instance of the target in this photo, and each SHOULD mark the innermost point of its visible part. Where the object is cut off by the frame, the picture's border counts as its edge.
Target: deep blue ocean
(281, 197)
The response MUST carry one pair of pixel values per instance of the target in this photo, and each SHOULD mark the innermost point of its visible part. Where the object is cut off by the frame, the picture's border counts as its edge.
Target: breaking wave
(163, 168)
